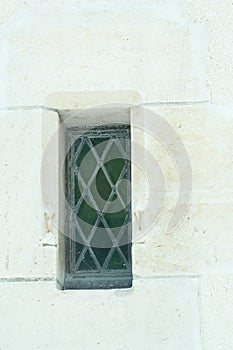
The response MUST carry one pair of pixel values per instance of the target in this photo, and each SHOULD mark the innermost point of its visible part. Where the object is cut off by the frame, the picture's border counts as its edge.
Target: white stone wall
(177, 56)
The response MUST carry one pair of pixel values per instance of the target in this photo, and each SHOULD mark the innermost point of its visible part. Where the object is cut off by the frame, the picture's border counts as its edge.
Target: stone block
(24, 252)
(216, 304)
(155, 314)
(109, 46)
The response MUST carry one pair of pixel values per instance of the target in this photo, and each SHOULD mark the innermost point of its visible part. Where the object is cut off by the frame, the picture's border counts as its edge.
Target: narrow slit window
(98, 192)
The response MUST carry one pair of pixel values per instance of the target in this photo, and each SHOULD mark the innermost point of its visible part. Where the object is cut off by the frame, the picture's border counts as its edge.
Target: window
(98, 226)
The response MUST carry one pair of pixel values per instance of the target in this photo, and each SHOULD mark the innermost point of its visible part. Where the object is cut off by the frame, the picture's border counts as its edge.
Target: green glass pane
(78, 250)
(125, 251)
(114, 152)
(101, 254)
(116, 262)
(82, 154)
(87, 213)
(86, 230)
(116, 219)
(103, 187)
(86, 163)
(87, 263)
(101, 142)
(101, 236)
(114, 168)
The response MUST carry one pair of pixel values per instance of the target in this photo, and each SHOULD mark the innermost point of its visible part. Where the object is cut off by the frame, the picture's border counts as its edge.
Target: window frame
(72, 280)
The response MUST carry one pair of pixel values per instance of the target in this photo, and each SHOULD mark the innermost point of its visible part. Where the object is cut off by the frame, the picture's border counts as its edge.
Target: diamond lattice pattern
(100, 200)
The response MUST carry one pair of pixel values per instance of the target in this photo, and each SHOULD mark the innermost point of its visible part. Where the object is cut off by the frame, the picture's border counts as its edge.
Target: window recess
(97, 231)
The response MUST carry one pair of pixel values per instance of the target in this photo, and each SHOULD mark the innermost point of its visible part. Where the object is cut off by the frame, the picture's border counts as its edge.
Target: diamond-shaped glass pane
(87, 262)
(116, 262)
(101, 254)
(87, 213)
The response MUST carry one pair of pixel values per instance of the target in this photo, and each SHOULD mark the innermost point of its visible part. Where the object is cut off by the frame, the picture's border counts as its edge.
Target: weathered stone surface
(100, 46)
(202, 242)
(216, 16)
(23, 228)
(155, 314)
(216, 305)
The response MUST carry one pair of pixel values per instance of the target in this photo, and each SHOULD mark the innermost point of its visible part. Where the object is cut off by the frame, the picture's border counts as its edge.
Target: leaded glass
(99, 194)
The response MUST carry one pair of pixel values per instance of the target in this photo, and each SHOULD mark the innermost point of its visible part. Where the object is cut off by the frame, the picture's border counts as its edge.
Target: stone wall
(177, 56)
